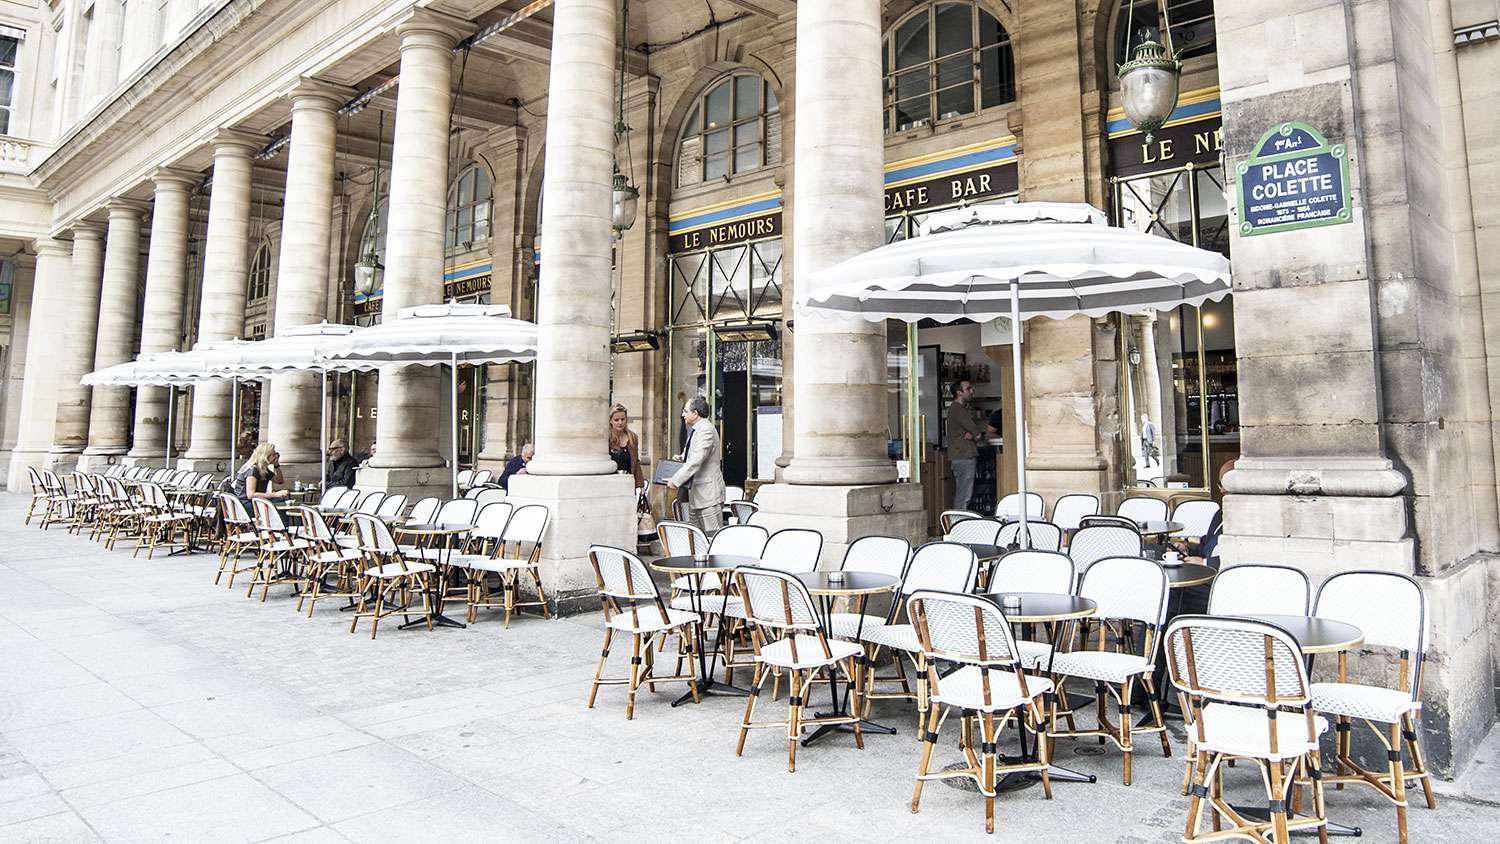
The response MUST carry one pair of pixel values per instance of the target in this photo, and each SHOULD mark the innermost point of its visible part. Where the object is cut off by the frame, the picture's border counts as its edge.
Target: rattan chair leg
(1419, 764)
(635, 675)
(1398, 781)
(987, 746)
(609, 633)
(929, 742)
(794, 717)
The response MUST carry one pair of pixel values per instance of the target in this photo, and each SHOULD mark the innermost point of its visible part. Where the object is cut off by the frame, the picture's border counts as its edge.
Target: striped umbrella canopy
(1058, 259)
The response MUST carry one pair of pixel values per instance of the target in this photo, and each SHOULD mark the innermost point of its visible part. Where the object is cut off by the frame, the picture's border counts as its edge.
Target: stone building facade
(188, 171)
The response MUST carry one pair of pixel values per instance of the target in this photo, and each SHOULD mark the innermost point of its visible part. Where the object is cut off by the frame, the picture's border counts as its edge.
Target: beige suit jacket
(701, 471)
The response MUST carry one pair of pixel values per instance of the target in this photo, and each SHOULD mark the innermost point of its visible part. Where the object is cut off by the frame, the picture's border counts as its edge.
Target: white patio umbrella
(1018, 261)
(153, 369)
(430, 335)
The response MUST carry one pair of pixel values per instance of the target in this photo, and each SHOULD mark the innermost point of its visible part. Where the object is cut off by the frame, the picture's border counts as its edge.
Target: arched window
(1192, 26)
(734, 127)
(468, 210)
(943, 61)
(374, 236)
(259, 286)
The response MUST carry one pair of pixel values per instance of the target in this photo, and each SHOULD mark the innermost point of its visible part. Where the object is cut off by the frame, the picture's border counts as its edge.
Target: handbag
(645, 525)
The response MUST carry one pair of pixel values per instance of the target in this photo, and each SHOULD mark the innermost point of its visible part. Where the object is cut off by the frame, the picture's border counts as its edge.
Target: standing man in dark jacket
(342, 466)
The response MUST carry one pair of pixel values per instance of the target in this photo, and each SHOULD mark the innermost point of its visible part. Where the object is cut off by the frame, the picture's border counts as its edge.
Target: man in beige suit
(700, 472)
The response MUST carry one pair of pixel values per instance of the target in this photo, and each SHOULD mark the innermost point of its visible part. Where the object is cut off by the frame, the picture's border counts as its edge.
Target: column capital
(173, 178)
(310, 93)
(87, 230)
(122, 207)
(51, 247)
(236, 143)
(423, 27)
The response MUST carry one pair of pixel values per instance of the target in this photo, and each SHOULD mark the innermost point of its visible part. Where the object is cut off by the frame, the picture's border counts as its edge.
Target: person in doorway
(342, 466)
(624, 445)
(259, 476)
(1148, 439)
(964, 430)
(701, 474)
(517, 465)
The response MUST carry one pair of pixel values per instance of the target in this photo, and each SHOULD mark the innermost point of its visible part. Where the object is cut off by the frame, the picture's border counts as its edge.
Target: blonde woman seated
(258, 477)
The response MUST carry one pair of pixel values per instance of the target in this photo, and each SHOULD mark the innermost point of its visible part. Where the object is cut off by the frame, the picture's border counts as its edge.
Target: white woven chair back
(1255, 589)
(1010, 505)
(153, 495)
(374, 536)
(941, 567)
(1042, 536)
(622, 574)
(741, 540)
(980, 531)
(392, 505)
(350, 499)
(1226, 659)
(961, 628)
(1097, 542)
(880, 554)
(370, 504)
(205, 481)
(527, 524)
(490, 522)
(733, 494)
(1195, 517)
(458, 513)
(1143, 509)
(313, 526)
(792, 550)
(465, 477)
(489, 495)
(1071, 508)
(949, 518)
(424, 511)
(743, 511)
(331, 495)
(776, 599)
(1127, 588)
(1390, 609)
(266, 517)
(1033, 571)
(680, 539)
(482, 476)
(232, 509)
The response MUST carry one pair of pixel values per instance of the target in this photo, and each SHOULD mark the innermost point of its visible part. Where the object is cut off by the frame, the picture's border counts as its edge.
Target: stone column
(161, 318)
(409, 458)
(109, 407)
(49, 307)
(226, 266)
(572, 472)
(302, 271)
(505, 150)
(839, 479)
(77, 359)
(15, 360)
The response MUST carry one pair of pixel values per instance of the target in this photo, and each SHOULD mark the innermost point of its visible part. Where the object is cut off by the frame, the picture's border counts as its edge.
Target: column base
(98, 461)
(585, 510)
(1319, 534)
(152, 461)
(844, 513)
(17, 479)
(63, 462)
(217, 466)
(413, 483)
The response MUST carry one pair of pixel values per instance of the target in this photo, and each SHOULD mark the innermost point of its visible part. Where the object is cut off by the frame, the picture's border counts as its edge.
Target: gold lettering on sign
(1209, 141)
(971, 186)
(904, 198)
(742, 230)
(1164, 151)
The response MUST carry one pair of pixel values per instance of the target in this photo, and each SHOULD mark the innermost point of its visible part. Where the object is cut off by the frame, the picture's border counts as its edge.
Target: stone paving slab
(139, 702)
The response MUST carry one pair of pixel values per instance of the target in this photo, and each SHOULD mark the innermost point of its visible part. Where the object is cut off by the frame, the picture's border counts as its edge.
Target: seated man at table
(517, 465)
(342, 466)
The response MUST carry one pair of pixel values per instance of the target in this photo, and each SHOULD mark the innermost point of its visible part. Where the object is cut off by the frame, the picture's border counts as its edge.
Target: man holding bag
(701, 474)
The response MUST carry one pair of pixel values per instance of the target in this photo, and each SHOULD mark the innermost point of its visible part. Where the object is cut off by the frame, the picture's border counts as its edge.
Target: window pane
(7, 84)
(466, 188)
(1213, 211)
(481, 229)
(771, 103)
(955, 28)
(4, 121)
(990, 30)
(730, 283)
(716, 166)
(911, 42)
(716, 106)
(692, 124)
(8, 49)
(482, 212)
(747, 158)
(955, 86)
(716, 141)
(746, 96)
(689, 288)
(465, 227)
(997, 76)
(765, 277)
(1192, 26)
(481, 184)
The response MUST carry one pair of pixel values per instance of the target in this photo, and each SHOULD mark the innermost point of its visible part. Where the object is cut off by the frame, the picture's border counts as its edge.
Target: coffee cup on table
(1171, 558)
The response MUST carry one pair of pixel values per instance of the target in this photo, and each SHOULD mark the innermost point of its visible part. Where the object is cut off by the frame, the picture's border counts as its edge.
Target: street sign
(1294, 179)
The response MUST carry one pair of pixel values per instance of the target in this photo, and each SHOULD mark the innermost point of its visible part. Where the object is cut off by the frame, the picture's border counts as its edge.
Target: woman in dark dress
(624, 445)
(257, 476)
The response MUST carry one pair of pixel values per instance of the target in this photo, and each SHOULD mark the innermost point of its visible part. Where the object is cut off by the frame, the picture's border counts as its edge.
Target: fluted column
(15, 357)
(302, 271)
(226, 267)
(161, 317)
(49, 305)
(109, 407)
(71, 435)
(408, 425)
(572, 365)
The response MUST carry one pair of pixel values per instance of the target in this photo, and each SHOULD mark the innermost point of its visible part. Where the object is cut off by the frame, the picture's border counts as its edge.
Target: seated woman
(256, 479)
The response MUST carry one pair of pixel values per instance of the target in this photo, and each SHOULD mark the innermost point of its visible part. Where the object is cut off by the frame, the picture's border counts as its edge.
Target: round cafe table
(699, 568)
(1159, 530)
(437, 537)
(1185, 575)
(857, 586)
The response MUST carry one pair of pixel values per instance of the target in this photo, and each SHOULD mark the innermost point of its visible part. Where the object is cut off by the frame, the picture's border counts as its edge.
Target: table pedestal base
(1261, 815)
(711, 686)
(865, 726)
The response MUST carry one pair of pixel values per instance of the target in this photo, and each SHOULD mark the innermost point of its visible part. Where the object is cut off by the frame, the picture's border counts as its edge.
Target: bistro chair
(349, 500)
(1256, 589)
(1010, 505)
(280, 551)
(162, 524)
(424, 511)
(936, 566)
(1142, 509)
(1096, 542)
(388, 576)
(240, 535)
(481, 477)
(1246, 683)
(793, 550)
(680, 539)
(465, 478)
(1196, 517)
(520, 550)
(1105, 520)
(370, 503)
(326, 558)
(1050, 572)
(60, 502)
(1043, 536)
(949, 518)
(741, 512)
(975, 532)
(331, 495)
(1070, 509)
(391, 506)
(489, 495)
(972, 633)
(786, 635)
(733, 494)
(1128, 591)
(1391, 610)
(886, 555)
(633, 605)
(484, 542)
(40, 495)
(740, 540)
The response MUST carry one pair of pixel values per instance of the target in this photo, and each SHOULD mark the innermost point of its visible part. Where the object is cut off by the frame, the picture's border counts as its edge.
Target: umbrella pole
(322, 430)
(1022, 536)
(234, 421)
(171, 415)
(453, 425)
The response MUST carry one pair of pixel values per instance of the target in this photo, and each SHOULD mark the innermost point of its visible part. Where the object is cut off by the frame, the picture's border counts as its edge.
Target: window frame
(761, 116)
(8, 106)
(453, 243)
(933, 90)
(258, 279)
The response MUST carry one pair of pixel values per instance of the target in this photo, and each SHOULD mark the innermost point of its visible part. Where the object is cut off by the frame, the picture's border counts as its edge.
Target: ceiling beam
(531, 40)
(772, 9)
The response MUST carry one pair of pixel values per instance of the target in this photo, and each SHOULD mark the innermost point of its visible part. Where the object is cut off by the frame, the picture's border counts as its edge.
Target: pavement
(139, 702)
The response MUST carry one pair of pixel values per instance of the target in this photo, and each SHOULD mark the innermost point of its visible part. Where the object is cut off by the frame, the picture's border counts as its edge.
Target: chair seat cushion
(390, 570)
(163, 518)
(848, 625)
(483, 562)
(902, 637)
(965, 688)
(1034, 654)
(648, 619)
(1105, 666)
(288, 545)
(341, 555)
(810, 652)
(1244, 731)
(243, 538)
(1371, 703)
(712, 604)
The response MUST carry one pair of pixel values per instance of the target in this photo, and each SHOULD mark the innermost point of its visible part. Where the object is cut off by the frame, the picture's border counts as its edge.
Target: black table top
(1315, 635)
(852, 582)
(1043, 606)
(337, 511)
(433, 527)
(1188, 574)
(710, 563)
(983, 550)
(1154, 528)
